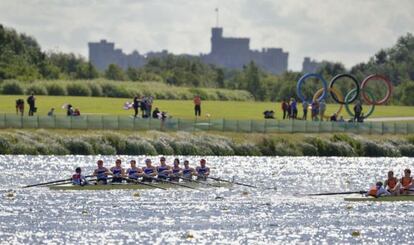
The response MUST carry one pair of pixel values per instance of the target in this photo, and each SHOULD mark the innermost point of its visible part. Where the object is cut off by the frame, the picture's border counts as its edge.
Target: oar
(142, 183)
(52, 182)
(90, 180)
(196, 181)
(228, 181)
(171, 182)
(337, 193)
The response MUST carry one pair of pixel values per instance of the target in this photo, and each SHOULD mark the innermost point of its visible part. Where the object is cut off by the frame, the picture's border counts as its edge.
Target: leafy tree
(114, 72)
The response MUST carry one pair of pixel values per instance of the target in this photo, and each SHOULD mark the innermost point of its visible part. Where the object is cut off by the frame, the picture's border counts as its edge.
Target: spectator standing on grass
(315, 110)
(51, 113)
(284, 108)
(31, 101)
(357, 111)
(322, 109)
(136, 105)
(150, 100)
(197, 105)
(305, 106)
(20, 106)
(293, 109)
(143, 106)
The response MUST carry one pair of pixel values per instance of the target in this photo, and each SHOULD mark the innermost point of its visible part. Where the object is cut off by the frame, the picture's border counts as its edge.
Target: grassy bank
(178, 108)
(62, 142)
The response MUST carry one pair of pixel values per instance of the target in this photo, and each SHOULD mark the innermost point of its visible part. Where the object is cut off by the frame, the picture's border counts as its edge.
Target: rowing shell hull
(381, 199)
(132, 186)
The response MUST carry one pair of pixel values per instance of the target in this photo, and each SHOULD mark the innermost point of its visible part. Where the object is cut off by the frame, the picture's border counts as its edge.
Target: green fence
(247, 126)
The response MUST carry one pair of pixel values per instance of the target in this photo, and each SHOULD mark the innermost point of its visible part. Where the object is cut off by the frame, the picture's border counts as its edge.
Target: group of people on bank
(393, 186)
(317, 109)
(148, 173)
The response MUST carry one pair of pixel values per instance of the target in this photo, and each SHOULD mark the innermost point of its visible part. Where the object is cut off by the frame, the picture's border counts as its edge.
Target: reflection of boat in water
(381, 199)
(126, 186)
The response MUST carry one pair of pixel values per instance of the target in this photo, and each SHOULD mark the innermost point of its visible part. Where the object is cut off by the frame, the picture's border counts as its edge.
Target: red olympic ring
(379, 77)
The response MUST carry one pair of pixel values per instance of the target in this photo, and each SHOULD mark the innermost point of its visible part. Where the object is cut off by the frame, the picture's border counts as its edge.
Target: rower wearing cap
(78, 178)
(134, 172)
(101, 173)
(187, 171)
(406, 182)
(175, 171)
(392, 184)
(118, 172)
(163, 169)
(378, 190)
(149, 171)
(202, 171)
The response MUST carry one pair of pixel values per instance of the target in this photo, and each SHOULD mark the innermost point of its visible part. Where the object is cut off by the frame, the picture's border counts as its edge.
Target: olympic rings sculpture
(360, 91)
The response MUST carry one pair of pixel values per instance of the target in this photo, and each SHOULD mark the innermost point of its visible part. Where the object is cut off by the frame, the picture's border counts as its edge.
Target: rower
(175, 171)
(101, 173)
(202, 171)
(78, 178)
(187, 171)
(163, 169)
(392, 184)
(378, 190)
(406, 182)
(134, 172)
(149, 171)
(118, 172)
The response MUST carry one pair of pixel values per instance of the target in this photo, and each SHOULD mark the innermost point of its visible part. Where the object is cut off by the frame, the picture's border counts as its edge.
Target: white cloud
(349, 31)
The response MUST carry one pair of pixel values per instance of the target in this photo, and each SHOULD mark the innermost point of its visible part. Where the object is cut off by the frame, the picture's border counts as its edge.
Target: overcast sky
(349, 31)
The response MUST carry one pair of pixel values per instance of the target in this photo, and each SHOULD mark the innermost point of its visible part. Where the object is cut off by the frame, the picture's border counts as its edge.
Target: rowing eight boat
(381, 199)
(125, 186)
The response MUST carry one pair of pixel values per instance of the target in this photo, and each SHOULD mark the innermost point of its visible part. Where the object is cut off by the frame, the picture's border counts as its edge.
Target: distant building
(310, 66)
(102, 54)
(235, 52)
(225, 51)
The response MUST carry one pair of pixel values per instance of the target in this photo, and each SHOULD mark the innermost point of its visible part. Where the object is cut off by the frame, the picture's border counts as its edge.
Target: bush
(184, 148)
(372, 149)
(202, 93)
(5, 147)
(139, 147)
(36, 89)
(247, 150)
(354, 143)
(12, 87)
(407, 150)
(104, 149)
(78, 146)
(78, 89)
(308, 149)
(24, 148)
(111, 90)
(96, 90)
(162, 147)
(55, 89)
(116, 140)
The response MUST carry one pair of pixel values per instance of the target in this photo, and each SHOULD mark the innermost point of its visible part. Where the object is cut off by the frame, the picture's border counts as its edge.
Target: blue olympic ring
(303, 79)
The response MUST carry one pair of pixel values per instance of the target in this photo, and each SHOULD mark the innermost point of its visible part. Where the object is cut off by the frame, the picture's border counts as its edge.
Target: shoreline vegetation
(101, 142)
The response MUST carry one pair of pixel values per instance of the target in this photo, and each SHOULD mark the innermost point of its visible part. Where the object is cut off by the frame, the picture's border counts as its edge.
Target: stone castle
(225, 52)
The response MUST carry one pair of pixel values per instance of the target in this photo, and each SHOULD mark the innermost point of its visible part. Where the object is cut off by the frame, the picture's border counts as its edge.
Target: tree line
(22, 59)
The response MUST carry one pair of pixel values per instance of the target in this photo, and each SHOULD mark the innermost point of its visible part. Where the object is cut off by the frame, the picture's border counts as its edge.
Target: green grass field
(177, 108)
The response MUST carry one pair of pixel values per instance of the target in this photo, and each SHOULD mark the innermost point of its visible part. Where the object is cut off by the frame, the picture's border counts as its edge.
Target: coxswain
(175, 171)
(406, 182)
(392, 185)
(202, 171)
(378, 190)
(101, 173)
(187, 171)
(118, 173)
(134, 172)
(78, 178)
(163, 169)
(149, 171)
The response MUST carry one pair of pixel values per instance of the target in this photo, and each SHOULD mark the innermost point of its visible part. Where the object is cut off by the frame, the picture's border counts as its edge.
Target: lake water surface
(213, 215)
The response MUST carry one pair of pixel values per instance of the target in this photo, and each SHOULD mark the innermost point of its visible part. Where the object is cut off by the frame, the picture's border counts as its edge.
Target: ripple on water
(225, 215)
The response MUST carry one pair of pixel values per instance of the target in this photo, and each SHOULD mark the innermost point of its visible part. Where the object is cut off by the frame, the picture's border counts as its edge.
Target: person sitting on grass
(333, 118)
(269, 114)
(155, 113)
